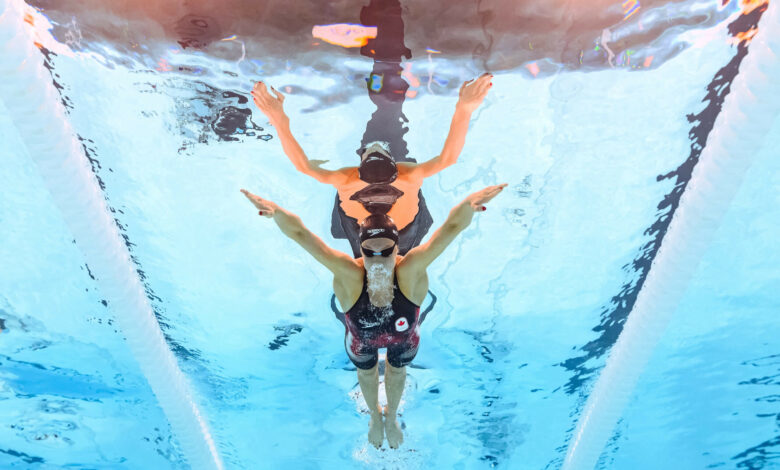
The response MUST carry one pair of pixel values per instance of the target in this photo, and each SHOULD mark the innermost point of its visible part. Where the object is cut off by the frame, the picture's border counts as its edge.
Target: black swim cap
(378, 226)
(377, 198)
(378, 167)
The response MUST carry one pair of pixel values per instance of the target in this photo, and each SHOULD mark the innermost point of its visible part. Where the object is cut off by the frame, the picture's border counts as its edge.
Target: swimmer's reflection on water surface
(406, 177)
(381, 293)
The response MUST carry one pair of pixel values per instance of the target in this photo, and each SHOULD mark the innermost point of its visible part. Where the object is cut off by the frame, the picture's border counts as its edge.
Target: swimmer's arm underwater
(469, 99)
(301, 161)
(418, 258)
(272, 107)
(340, 264)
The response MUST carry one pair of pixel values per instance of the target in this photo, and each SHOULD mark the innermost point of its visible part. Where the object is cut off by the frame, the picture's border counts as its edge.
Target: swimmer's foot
(395, 437)
(376, 430)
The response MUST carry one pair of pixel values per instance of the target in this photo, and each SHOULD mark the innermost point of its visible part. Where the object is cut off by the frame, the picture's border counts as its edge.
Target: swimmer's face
(374, 148)
(377, 246)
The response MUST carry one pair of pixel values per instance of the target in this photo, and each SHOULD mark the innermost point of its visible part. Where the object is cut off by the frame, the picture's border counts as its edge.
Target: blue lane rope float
(34, 105)
(746, 117)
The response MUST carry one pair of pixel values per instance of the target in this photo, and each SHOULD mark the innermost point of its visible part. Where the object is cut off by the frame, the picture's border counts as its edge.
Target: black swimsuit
(395, 327)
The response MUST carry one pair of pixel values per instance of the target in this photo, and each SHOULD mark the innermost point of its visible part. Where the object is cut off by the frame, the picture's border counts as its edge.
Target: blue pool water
(530, 298)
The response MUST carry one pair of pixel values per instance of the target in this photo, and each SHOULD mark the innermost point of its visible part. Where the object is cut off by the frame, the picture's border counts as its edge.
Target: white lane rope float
(34, 105)
(747, 116)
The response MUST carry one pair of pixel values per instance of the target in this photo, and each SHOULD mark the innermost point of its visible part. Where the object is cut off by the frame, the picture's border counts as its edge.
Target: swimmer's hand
(478, 200)
(265, 207)
(416, 260)
(473, 92)
(270, 105)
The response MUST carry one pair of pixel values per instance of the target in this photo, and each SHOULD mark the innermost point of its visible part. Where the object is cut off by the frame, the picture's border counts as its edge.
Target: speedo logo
(374, 231)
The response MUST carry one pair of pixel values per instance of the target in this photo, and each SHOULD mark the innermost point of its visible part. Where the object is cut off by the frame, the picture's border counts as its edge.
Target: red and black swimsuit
(395, 327)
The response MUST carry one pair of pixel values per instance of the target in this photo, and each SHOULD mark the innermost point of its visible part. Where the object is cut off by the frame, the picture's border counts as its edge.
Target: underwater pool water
(530, 299)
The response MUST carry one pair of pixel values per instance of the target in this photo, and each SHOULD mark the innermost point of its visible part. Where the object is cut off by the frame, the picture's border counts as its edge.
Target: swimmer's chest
(391, 319)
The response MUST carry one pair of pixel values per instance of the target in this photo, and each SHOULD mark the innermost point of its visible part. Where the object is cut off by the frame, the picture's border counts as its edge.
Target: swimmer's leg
(369, 385)
(395, 379)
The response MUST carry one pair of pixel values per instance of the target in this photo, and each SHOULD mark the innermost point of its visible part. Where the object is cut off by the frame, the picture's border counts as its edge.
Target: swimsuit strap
(363, 297)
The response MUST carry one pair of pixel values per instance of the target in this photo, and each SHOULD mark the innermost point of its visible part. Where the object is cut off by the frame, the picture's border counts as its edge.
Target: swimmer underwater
(378, 167)
(381, 294)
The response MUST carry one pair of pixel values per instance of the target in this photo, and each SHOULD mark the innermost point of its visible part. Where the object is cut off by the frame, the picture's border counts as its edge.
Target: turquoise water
(529, 295)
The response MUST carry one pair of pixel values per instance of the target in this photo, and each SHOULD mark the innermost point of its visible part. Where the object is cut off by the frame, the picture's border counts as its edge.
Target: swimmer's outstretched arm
(339, 263)
(470, 98)
(419, 257)
(272, 107)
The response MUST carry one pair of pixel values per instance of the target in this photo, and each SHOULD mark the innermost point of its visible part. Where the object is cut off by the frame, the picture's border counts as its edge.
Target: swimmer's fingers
(259, 103)
(279, 96)
(265, 208)
(473, 92)
(482, 79)
(252, 198)
(493, 191)
(271, 106)
(483, 85)
(463, 87)
(260, 95)
(484, 196)
(260, 90)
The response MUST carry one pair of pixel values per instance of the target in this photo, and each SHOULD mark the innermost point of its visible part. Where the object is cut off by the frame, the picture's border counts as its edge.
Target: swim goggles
(384, 253)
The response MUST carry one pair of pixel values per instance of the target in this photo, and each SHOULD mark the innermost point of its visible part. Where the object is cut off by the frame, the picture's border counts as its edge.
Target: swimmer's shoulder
(412, 281)
(402, 265)
(349, 179)
(409, 170)
(350, 277)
